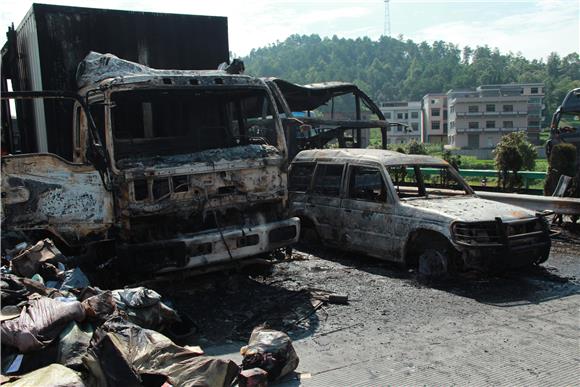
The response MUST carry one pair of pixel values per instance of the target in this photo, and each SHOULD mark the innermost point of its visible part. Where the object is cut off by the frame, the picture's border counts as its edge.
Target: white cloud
(252, 24)
(549, 26)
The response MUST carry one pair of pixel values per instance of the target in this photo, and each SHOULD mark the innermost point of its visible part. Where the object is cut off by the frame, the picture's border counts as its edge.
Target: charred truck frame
(319, 114)
(180, 168)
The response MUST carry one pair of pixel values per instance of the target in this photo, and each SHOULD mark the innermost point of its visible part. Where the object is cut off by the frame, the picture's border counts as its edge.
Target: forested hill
(391, 69)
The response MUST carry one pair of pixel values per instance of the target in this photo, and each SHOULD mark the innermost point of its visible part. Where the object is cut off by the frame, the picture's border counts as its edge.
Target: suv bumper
(505, 256)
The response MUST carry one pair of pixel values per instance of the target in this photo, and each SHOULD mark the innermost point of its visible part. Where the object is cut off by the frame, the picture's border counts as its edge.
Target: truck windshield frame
(164, 122)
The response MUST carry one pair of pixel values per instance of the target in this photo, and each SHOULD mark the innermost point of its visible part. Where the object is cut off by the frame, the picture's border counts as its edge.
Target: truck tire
(308, 234)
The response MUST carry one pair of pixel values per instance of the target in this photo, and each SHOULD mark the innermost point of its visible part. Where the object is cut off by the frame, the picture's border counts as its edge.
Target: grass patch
(467, 162)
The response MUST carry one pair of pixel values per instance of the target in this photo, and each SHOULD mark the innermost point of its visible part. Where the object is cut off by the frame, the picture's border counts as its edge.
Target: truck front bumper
(210, 247)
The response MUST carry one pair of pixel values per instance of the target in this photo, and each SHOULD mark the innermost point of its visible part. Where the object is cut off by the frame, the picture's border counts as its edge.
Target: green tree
(512, 154)
(397, 69)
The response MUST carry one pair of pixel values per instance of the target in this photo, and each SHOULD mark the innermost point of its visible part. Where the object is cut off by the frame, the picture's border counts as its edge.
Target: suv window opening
(300, 177)
(426, 182)
(366, 183)
(328, 179)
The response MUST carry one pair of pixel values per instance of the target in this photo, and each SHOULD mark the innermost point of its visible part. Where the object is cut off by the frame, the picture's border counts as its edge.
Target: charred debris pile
(59, 329)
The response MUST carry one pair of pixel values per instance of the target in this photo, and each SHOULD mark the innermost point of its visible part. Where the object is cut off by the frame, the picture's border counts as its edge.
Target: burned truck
(175, 169)
(328, 114)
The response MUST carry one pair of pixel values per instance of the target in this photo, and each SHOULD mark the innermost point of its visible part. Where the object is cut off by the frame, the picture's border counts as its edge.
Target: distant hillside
(391, 69)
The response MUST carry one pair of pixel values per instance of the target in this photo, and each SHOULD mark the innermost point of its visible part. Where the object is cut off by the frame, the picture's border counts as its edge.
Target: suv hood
(469, 209)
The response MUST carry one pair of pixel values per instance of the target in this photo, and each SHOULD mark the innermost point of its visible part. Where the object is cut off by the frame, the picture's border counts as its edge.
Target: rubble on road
(271, 351)
(122, 353)
(58, 329)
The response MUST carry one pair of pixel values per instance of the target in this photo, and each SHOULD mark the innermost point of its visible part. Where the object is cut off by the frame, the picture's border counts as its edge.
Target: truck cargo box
(43, 52)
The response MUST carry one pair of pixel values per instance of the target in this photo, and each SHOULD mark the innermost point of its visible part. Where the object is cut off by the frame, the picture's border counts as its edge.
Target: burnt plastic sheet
(124, 354)
(74, 279)
(100, 307)
(143, 307)
(271, 351)
(34, 287)
(39, 323)
(51, 376)
(12, 290)
(28, 262)
(73, 343)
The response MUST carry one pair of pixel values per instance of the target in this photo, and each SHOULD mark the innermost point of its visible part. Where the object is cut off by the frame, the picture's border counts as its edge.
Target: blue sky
(533, 28)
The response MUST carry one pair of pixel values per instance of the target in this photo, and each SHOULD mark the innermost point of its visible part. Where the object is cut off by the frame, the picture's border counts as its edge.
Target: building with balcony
(434, 118)
(479, 118)
(406, 113)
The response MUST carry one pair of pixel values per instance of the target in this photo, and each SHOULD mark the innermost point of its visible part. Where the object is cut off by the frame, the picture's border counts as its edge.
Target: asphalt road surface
(517, 328)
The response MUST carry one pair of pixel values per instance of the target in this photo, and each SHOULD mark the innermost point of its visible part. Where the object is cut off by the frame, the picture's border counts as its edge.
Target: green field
(471, 162)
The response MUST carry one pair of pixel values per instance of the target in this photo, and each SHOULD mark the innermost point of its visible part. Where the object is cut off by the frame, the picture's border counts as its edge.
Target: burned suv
(411, 209)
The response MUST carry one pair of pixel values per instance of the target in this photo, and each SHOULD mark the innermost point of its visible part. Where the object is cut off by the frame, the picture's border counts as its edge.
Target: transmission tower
(387, 27)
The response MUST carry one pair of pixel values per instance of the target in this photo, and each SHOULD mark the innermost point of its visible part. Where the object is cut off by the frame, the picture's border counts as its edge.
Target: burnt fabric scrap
(39, 323)
(123, 353)
(143, 307)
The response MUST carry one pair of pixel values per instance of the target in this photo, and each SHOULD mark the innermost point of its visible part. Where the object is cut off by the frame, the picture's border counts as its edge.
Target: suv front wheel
(437, 259)
(433, 262)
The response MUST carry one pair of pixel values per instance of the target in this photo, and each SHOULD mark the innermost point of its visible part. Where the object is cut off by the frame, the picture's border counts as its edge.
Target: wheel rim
(433, 263)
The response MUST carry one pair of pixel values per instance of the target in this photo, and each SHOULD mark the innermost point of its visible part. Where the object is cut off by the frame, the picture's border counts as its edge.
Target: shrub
(453, 160)
(512, 154)
(562, 162)
(416, 148)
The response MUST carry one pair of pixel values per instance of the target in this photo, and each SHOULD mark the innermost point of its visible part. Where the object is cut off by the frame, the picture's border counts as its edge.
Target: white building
(434, 120)
(406, 113)
(479, 118)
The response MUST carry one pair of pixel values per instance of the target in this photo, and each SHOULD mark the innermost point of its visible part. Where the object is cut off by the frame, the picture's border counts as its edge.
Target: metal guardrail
(559, 205)
(566, 206)
(526, 175)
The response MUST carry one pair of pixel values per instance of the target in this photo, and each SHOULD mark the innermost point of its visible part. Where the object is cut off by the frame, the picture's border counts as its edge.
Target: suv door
(368, 213)
(323, 203)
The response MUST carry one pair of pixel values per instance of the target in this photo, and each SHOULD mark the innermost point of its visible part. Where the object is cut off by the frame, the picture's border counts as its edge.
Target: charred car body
(410, 209)
(181, 169)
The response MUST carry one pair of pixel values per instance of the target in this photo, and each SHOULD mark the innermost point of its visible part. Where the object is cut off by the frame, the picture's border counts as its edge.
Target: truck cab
(193, 169)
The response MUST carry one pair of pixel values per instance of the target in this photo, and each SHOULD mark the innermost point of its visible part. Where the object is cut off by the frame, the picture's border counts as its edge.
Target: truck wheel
(543, 258)
(309, 236)
(308, 233)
